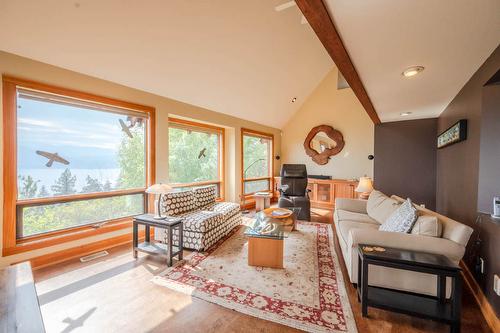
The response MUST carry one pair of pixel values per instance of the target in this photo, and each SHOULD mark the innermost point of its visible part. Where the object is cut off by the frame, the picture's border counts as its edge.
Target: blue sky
(87, 139)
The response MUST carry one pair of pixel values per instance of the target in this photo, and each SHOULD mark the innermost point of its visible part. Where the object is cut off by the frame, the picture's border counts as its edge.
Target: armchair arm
(282, 188)
(436, 245)
(352, 205)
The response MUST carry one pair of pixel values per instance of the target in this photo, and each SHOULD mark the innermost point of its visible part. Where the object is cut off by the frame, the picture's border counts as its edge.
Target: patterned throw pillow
(204, 195)
(402, 219)
(176, 203)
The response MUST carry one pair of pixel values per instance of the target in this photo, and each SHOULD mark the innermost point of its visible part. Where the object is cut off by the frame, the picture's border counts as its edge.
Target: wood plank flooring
(114, 294)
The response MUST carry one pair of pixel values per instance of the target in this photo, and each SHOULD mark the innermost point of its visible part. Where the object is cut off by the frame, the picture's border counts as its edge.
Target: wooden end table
(436, 308)
(155, 248)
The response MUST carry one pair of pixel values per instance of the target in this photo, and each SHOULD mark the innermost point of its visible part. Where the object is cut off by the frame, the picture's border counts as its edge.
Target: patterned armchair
(205, 220)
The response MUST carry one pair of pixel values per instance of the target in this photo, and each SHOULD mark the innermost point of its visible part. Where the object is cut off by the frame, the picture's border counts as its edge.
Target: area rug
(308, 294)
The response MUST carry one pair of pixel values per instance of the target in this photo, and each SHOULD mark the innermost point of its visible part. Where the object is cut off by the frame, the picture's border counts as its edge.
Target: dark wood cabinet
(325, 191)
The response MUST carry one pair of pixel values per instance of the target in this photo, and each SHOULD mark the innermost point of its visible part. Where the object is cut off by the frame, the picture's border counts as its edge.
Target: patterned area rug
(308, 294)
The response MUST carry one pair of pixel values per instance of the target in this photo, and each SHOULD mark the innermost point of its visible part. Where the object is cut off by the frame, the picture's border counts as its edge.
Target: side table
(167, 250)
(262, 200)
(436, 308)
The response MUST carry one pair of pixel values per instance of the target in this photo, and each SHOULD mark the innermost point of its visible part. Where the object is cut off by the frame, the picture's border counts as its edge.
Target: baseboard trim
(82, 250)
(485, 307)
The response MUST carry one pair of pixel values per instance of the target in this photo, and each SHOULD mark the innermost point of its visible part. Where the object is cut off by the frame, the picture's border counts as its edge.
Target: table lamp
(365, 186)
(159, 189)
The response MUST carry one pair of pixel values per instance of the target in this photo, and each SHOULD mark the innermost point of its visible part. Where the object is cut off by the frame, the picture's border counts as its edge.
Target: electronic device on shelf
(319, 177)
(496, 208)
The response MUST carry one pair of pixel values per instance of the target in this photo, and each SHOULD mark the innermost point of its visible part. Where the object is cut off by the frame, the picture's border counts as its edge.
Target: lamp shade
(159, 189)
(365, 185)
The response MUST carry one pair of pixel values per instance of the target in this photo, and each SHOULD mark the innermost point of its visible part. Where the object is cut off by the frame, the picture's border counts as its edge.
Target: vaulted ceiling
(450, 38)
(241, 58)
(246, 59)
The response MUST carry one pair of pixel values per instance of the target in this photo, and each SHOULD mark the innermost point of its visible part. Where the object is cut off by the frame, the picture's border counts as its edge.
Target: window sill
(64, 236)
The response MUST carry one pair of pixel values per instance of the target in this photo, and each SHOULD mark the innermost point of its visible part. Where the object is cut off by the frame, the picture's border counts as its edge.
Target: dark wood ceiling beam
(322, 24)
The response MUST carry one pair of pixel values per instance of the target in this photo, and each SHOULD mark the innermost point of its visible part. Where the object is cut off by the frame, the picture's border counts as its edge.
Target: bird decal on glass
(52, 157)
(202, 153)
(125, 128)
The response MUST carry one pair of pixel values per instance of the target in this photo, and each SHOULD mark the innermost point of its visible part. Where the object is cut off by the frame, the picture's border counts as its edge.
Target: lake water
(48, 176)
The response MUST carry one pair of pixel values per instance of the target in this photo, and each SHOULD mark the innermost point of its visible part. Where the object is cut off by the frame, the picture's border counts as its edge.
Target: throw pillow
(379, 206)
(427, 225)
(402, 219)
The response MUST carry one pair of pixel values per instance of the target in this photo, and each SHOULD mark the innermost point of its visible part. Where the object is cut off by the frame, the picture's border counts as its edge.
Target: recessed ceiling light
(294, 99)
(404, 114)
(412, 71)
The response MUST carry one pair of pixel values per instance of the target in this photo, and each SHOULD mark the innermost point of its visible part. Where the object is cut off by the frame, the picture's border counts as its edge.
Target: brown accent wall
(405, 160)
(458, 175)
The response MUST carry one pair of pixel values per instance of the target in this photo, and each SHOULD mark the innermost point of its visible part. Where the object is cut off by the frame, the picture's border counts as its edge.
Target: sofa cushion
(353, 216)
(427, 225)
(345, 226)
(402, 219)
(227, 209)
(379, 206)
(205, 195)
(177, 203)
(201, 220)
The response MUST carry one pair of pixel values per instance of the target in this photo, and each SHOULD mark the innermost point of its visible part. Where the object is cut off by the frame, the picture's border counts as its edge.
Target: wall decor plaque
(322, 142)
(455, 133)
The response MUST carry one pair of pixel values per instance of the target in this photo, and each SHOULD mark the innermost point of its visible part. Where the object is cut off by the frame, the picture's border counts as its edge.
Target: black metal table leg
(181, 240)
(358, 287)
(169, 246)
(135, 240)
(364, 288)
(456, 303)
(148, 233)
(441, 288)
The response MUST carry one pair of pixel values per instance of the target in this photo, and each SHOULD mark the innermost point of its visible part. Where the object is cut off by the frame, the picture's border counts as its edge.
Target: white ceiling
(451, 38)
(236, 57)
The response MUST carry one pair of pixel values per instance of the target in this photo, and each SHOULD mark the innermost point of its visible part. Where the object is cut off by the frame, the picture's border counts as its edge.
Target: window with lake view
(78, 162)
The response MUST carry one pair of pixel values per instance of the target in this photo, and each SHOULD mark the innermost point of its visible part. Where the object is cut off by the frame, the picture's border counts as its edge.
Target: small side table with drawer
(167, 250)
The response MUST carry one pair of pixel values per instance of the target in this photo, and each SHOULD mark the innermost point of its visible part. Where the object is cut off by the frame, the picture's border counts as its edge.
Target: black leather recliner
(293, 190)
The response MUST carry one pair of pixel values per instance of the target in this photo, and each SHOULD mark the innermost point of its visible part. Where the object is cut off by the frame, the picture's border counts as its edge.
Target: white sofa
(357, 222)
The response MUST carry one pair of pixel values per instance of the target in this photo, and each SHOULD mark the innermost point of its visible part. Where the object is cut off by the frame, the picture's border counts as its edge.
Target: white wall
(341, 110)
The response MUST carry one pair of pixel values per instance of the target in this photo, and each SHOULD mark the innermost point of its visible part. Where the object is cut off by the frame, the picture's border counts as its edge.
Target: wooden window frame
(270, 178)
(11, 244)
(221, 154)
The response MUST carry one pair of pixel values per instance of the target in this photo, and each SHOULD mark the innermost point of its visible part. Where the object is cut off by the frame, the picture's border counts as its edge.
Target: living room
(309, 165)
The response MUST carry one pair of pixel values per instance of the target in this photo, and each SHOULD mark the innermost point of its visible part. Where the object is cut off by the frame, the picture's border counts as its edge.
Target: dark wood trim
(485, 307)
(317, 15)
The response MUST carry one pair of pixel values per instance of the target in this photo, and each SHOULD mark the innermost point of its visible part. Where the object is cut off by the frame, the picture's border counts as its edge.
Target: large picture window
(195, 154)
(76, 160)
(257, 169)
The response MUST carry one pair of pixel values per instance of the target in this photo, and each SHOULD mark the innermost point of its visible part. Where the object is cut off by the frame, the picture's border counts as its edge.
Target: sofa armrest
(352, 205)
(436, 245)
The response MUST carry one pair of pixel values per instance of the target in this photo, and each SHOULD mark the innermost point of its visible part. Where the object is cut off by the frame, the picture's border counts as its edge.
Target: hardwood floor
(114, 294)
